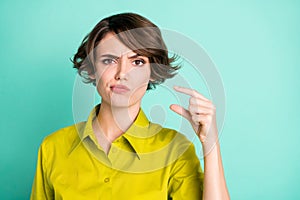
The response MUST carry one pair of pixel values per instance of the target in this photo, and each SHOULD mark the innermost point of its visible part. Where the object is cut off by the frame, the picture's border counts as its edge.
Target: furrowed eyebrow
(116, 57)
(110, 56)
(134, 56)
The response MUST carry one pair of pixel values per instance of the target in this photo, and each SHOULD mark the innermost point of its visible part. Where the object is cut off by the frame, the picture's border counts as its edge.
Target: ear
(92, 76)
(151, 79)
(93, 79)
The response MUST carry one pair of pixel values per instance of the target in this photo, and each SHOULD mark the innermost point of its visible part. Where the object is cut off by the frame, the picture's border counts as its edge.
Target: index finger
(190, 92)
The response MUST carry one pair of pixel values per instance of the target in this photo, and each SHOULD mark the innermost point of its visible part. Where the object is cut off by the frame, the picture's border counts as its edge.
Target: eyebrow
(109, 56)
(116, 57)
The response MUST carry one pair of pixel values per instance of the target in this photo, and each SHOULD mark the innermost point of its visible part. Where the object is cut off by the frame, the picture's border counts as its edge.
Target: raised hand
(201, 113)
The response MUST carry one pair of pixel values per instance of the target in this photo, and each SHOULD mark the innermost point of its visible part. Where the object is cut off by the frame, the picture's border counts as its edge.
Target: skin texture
(117, 65)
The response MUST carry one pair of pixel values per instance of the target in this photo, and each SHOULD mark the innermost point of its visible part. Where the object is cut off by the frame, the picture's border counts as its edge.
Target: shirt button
(106, 180)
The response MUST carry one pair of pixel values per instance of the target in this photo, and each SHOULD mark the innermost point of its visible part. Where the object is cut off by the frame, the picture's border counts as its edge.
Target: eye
(138, 62)
(108, 61)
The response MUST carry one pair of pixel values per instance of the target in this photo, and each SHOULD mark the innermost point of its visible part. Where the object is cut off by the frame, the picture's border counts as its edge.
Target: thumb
(181, 111)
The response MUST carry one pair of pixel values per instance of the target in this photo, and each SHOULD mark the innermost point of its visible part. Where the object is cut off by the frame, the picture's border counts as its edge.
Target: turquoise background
(254, 44)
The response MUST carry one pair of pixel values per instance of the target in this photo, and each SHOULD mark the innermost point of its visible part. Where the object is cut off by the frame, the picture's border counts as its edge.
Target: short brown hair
(137, 33)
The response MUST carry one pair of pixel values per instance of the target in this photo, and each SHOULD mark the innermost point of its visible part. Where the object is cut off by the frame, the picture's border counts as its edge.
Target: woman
(117, 153)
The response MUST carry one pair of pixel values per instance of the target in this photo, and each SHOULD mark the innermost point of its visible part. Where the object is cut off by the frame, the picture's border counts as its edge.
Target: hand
(201, 113)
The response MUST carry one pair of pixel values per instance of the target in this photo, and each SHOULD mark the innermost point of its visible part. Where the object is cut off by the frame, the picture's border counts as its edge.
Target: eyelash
(140, 60)
(109, 61)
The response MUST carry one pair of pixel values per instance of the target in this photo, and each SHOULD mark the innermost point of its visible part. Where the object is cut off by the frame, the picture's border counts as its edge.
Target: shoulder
(62, 139)
(171, 146)
(168, 135)
(171, 141)
(64, 135)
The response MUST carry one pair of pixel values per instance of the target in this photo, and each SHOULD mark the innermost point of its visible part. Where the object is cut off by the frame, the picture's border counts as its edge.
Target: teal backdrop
(254, 44)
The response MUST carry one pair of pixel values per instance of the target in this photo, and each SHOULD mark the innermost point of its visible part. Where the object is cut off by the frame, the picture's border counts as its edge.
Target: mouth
(119, 89)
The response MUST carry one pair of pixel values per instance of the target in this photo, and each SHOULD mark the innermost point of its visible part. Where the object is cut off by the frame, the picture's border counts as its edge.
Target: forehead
(110, 44)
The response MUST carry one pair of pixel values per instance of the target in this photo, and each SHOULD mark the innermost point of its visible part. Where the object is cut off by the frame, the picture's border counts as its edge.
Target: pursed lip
(119, 88)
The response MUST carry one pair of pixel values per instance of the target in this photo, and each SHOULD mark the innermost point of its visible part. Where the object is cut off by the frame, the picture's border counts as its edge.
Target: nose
(122, 69)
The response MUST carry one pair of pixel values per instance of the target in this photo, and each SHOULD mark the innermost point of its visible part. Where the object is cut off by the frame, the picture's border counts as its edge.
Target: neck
(114, 121)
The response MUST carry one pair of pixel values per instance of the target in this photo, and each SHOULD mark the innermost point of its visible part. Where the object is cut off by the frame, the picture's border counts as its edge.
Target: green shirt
(146, 162)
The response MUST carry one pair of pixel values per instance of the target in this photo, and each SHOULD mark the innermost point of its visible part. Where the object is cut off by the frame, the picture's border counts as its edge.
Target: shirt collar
(139, 129)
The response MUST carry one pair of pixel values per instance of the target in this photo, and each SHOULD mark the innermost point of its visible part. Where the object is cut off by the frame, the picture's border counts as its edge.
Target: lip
(119, 89)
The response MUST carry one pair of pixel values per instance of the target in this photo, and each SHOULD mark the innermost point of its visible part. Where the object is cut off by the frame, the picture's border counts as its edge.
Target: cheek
(141, 76)
(140, 79)
(103, 75)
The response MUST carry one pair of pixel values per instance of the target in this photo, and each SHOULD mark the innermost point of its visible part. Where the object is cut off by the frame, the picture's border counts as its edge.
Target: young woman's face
(121, 75)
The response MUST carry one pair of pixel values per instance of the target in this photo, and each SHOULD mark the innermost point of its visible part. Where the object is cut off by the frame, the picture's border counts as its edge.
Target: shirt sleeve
(186, 180)
(40, 187)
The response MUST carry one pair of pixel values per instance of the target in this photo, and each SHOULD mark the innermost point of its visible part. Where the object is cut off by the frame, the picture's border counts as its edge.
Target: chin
(123, 102)
(119, 103)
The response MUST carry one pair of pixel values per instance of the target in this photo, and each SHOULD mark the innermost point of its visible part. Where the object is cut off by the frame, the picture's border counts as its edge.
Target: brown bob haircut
(138, 34)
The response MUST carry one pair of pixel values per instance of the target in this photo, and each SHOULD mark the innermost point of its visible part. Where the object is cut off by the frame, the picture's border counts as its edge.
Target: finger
(201, 102)
(196, 109)
(201, 119)
(202, 123)
(181, 111)
(190, 92)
